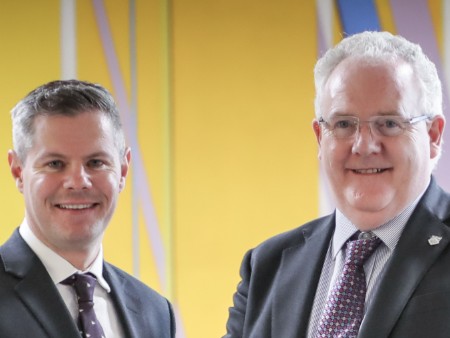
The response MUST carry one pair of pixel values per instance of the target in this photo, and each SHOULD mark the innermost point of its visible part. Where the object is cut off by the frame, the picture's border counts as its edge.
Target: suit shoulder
(133, 283)
(157, 319)
(437, 201)
(278, 243)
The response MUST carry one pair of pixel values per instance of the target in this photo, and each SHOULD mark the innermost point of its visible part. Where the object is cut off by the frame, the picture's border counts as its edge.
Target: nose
(365, 141)
(77, 178)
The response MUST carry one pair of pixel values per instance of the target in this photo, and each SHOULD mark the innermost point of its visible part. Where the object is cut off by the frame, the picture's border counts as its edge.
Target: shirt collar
(57, 267)
(389, 233)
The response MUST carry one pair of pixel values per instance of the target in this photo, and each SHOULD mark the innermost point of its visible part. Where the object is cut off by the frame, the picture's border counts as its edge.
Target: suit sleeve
(237, 313)
(172, 321)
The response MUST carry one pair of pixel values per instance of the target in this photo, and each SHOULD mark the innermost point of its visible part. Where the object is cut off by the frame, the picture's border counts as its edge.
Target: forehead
(82, 131)
(92, 121)
(365, 88)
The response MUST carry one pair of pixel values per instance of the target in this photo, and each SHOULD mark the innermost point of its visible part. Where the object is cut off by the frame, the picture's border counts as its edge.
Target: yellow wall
(29, 56)
(224, 111)
(244, 152)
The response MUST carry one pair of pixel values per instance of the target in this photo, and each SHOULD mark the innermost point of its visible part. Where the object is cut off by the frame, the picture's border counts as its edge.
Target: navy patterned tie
(344, 309)
(88, 323)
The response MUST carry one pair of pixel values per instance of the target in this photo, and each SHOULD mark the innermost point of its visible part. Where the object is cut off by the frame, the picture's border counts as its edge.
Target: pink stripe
(413, 21)
(144, 193)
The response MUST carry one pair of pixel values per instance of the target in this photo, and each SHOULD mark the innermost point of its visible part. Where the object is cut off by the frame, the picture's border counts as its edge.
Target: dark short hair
(66, 98)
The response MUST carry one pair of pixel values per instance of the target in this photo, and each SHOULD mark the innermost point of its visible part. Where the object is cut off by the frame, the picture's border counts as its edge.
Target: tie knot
(84, 285)
(358, 251)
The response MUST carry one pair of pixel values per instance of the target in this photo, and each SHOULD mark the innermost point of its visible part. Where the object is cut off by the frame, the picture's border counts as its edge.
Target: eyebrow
(387, 113)
(99, 154)
(57, 155)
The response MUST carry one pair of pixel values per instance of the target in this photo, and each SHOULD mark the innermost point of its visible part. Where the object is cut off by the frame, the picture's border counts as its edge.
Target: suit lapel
(298, 278)
(36, 289)
(127, 304)
(409, 263)
(41, 297)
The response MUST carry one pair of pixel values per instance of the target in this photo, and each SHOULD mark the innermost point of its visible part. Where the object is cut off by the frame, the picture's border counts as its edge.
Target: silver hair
(379, 46)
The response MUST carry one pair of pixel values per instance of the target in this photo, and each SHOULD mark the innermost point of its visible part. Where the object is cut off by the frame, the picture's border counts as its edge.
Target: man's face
(373, 177)
(71, 180)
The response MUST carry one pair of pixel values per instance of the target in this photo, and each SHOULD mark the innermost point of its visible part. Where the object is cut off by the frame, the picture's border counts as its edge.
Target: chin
(370, 201)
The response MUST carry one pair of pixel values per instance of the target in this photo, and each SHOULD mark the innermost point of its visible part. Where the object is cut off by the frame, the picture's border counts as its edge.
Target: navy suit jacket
(280, 277)
(31, 306)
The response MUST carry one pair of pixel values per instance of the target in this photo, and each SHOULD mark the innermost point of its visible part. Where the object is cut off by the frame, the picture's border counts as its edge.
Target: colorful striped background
(217, 103)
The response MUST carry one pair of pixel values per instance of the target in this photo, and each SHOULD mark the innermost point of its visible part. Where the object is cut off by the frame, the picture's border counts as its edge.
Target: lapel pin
(434, 240)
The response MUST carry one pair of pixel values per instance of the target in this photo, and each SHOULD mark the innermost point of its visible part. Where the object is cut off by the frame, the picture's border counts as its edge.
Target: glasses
(347, 126)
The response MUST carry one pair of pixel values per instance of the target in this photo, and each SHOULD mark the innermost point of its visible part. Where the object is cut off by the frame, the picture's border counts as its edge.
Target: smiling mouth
(76, 206)
(369, 171)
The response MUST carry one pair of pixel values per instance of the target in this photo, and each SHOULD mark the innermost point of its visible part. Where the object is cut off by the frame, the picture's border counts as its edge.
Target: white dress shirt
(59, 269)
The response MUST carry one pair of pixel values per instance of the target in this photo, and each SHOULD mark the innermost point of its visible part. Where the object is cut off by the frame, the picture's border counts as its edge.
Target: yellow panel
(244, 151)
(437, 18)
(92, 65)
(148, 272)
(154, 124)
(385, 15)
(29, 36)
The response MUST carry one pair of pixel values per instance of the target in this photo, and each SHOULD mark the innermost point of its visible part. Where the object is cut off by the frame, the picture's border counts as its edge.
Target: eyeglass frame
(357, 122)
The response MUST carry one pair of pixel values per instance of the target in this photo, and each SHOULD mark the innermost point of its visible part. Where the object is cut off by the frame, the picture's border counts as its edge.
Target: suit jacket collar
(36, 289)
(409, 262)
(126, 303)
(40, 296)
(299, 275)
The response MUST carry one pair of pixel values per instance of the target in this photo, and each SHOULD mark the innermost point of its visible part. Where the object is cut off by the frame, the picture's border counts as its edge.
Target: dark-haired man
(70, 162)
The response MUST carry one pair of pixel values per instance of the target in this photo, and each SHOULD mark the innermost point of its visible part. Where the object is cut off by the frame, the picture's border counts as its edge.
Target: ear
(16, 167)
(124, 166)
(318, 133)
(435, 131)
(317, 130)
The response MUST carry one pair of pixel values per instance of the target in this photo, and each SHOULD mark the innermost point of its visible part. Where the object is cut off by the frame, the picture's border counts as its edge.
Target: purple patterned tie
(88, 323)
(344, 309)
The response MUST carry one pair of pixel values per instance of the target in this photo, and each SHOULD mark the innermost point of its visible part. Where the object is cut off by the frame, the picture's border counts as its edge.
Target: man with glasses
(379, 266)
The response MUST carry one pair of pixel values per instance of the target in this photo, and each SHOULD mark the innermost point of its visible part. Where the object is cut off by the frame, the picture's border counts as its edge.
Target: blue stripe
(358, 16)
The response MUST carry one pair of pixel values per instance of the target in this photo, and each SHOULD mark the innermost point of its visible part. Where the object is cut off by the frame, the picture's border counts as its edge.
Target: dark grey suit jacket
(280, 277)
(31, 306)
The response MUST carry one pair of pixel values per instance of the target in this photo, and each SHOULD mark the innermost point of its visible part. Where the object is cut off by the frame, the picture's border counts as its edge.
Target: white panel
(68, 40)
(325, 32)
(325, 20)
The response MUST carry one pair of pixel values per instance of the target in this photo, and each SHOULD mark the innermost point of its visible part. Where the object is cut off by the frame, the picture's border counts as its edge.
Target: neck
(80, 259)
(79, 253)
